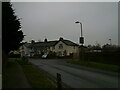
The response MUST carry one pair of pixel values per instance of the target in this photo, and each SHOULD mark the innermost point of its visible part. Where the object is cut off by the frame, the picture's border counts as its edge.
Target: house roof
(69, 43)
(53, 43)
(50, 43)
(45, 44)
(27, 44)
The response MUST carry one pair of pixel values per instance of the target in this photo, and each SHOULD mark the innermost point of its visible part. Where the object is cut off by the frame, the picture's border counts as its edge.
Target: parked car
(45, 56)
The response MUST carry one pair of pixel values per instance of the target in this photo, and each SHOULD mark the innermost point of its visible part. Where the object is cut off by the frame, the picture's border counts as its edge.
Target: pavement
(15, 77)
(78, 77)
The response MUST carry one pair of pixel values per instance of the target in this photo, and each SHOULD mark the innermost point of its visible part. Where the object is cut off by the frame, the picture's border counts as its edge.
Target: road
(77, 77)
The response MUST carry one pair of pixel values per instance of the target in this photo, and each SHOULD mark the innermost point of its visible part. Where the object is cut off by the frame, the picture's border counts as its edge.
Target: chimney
(45, 40)
(32, 41)
(60, 38)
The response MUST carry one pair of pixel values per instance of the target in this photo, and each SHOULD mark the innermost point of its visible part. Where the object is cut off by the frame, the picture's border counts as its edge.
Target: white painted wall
(69, 49)
(24, 50)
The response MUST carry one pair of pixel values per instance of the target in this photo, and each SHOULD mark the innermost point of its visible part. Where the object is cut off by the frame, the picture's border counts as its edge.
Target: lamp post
(81, 41)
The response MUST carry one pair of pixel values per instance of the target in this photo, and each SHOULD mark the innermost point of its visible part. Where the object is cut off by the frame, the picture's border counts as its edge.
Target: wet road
(77, 77)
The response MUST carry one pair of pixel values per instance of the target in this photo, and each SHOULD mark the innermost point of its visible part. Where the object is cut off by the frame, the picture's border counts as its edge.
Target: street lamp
(81, 27)
(81, 40)
(81, 37)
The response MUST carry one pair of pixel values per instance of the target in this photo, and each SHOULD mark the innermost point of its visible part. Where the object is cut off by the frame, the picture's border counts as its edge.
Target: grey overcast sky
(57, 19)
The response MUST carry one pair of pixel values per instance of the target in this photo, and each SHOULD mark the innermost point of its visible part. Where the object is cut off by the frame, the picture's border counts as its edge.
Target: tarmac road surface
(78, 77)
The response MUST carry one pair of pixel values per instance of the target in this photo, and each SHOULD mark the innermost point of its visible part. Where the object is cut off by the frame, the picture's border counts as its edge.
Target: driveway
(77, 77)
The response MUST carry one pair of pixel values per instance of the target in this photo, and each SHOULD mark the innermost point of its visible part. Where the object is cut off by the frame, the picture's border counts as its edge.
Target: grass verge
(13, 76)
(37, 78)
(8, 76)
(101, 66)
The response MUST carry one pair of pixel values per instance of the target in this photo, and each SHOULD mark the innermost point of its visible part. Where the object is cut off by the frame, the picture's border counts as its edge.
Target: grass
(11, 75)
(37, 78)
(7, 75)
(101, 66)
(22, 62)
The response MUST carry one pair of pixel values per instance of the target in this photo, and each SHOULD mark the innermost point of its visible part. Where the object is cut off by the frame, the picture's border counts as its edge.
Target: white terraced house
(61, 47)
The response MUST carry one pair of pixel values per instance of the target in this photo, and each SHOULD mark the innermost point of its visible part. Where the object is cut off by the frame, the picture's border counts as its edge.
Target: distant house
(66, 47)
(61, 47)
(26, 49)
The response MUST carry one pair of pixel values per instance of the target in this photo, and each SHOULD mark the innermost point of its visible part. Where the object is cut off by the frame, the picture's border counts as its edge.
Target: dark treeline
(108, 54)
(12, 34)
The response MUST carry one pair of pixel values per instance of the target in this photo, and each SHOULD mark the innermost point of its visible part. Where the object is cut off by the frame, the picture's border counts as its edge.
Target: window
(60, 46)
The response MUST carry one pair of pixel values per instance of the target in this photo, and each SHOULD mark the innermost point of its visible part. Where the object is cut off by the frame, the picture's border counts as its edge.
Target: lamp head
(77, 22)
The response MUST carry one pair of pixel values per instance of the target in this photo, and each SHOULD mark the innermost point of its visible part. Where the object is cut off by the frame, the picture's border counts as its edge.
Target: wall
(69, 49)
(25, 50)
(57, 47)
